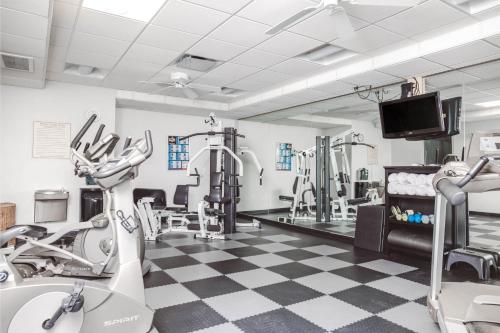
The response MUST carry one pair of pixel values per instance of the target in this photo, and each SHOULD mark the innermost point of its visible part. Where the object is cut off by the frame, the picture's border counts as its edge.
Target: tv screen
(412, 116)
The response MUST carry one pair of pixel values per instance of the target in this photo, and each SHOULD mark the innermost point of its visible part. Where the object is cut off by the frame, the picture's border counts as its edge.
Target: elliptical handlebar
(83, 130)
(454, 193)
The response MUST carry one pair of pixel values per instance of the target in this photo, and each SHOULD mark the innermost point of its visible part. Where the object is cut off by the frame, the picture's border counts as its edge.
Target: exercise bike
(92, 240)
(67, 305)
(464, 307)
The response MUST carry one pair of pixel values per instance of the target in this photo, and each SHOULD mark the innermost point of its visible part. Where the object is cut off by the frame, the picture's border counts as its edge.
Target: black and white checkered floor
(484, 231)
(275, 280)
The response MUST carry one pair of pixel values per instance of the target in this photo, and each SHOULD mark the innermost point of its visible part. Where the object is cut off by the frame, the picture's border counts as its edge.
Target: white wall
(21, 173)
(261, 138)
(479, 202)
(405, 152)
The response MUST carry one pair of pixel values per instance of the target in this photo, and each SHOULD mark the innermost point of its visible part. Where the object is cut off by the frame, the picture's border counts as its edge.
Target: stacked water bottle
(411, 184)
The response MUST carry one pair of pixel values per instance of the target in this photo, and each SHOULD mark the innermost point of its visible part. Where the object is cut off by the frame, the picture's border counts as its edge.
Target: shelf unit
(456, 229)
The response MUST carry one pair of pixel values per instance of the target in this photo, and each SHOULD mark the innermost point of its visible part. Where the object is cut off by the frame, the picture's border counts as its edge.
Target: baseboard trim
(484, 214)
(295, 227)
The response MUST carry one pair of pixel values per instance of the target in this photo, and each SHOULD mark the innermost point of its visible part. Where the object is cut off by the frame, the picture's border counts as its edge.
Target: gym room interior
(260, 166)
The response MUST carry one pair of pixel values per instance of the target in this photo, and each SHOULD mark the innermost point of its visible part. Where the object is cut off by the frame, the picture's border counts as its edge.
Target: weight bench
(358, 201)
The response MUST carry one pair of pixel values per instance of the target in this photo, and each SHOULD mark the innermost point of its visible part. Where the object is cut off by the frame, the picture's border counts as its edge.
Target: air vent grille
(17, 62)
(196, 63)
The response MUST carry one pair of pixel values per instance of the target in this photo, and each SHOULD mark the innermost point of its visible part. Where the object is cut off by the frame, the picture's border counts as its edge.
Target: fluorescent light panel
(489, 104)
(445, 41)
(140, 10)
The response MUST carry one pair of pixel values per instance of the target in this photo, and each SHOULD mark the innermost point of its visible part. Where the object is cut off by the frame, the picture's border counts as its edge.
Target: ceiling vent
(196, 63)
(17, 62)
(326, 54)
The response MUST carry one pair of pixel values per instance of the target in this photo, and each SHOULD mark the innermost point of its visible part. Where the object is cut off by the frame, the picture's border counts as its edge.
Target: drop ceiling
(62, 33)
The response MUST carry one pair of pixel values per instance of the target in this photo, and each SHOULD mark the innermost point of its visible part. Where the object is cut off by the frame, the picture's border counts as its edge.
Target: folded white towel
(421, 179)
(402, 177)
(411, 189)
(393, 177)
(391, 188)
(421, 190)
(412, 178)
(430, 191)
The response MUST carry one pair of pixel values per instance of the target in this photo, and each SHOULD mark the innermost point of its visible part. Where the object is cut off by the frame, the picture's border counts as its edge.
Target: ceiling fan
(337, 12)
(182, 81)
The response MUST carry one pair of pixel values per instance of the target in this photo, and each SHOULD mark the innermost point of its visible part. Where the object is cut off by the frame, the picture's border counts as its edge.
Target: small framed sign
(178, 153)
(284, 156)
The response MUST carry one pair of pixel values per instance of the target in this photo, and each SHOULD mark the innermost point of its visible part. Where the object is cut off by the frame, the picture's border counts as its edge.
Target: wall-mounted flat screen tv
(413, 116)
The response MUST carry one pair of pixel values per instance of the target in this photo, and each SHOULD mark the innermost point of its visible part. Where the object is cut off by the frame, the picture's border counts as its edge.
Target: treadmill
(464, 307)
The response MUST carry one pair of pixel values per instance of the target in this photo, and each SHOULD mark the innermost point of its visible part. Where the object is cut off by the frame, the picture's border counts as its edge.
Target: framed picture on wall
(284, 156)
(178, 153)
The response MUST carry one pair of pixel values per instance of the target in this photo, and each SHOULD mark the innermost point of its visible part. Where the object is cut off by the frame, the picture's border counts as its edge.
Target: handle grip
(87, 146)
(98, 134)
(83, 130)
(128, 141)
(149, 144)
(452, 192)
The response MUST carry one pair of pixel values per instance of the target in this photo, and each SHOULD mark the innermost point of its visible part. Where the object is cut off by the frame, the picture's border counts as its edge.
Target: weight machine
(325, 152)
(216, 213)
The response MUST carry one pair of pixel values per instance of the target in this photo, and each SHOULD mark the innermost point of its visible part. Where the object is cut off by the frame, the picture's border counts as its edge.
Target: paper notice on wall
(51, 140)
(372, 156)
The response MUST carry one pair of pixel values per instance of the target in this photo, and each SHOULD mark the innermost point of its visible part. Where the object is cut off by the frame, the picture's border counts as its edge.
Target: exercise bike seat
(358, 201)
(285, 198)
(29, 230)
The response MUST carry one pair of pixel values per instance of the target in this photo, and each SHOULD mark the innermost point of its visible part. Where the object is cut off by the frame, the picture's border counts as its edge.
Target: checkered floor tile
(484, 231)
(275, 281)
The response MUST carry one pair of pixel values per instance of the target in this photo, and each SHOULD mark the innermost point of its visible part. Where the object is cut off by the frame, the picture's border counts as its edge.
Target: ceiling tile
(233, 72)
(213, 80)
(310, 95)
(22, 45)
(450, 79)
(136, 70)
(116, 81)
(189, 17)
(465, 53)
(241, 31)
(19, 23)
(248, 85)
(368, 39)
(216, 49)
(228, 6)
(64, 15)
(275, 11)
(296, 67)
(145, 53)
(371, 14)
(37, 7)
(59, 36)
(55, 66)
(426, 16)
(259, 59)
(327, 32)
(102, 24)
(372, 78)
(166, 38)
(267, 76)
(57, 53)
(92, 43)
(336, 88)
(415, 67)
(484, 71)
(98, 60)
(494, 40)
(288, 44)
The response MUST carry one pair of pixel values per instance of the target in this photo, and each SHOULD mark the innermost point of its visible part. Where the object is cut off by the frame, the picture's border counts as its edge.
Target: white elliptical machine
(464, 307)
(67, 305)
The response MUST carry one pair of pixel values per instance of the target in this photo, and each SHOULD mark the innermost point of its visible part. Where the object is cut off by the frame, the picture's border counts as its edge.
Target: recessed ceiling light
(489, 104)
(142, 10)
